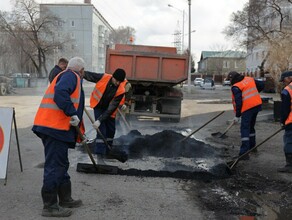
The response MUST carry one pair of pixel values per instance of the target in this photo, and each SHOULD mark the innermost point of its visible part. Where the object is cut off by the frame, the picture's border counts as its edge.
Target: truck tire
(3, 90)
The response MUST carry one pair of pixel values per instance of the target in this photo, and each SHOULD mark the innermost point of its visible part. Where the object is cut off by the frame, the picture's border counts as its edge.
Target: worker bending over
(286, 119)
(105, 98)
(60, 111)
(246, 103)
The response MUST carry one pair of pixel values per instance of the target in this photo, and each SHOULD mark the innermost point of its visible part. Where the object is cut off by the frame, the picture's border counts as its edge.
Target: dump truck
(155, 74)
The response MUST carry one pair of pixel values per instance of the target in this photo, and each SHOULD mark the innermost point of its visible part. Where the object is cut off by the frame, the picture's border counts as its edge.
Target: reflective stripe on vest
(99, 89)
(250, 94)
(49, 114)
(289, 119)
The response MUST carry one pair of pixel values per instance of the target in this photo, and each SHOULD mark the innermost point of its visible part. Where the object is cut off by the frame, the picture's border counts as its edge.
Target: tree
(32, 30)
(122, 35)
(265, 23)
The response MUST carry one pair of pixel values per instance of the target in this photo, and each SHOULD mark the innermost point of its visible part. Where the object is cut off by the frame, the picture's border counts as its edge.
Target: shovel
(202, 126)
(232, 163)
(223, 135)
(118, 155)
(88, 168)
(124, 119)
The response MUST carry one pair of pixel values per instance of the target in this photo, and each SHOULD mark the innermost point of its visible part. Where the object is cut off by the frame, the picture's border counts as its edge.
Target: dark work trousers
(247, 130)
(108, 129)
(287, 139)
(56, 163)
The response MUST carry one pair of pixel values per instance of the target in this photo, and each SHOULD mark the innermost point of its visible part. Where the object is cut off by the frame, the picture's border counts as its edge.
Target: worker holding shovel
(60, 111)
(105, 98)
(246, 103)
(286, 119)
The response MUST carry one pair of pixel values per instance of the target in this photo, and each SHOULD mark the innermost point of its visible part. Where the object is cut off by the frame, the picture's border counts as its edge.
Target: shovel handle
(203, 126)
(97, 129)
(124, 119)
(227, 129)
(88, 115)
(85, 146)
(234, 162)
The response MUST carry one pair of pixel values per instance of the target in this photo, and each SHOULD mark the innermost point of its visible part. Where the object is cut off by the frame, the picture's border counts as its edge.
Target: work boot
(288, 167)
(51, 207)
(65, 199)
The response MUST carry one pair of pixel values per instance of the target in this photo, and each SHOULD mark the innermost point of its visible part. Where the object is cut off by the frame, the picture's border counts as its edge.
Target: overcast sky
(155, 22)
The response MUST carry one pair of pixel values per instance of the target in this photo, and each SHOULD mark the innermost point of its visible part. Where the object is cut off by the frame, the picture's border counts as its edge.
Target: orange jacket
(123, 84)
(289, 119)
(99, 89)
(49, 115)
(250, 94)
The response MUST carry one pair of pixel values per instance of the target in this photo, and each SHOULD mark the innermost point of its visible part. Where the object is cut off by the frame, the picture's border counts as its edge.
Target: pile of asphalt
(164, 154)
(167, 144)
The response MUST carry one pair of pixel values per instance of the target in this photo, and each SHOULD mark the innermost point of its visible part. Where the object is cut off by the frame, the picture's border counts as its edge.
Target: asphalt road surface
(254, 189)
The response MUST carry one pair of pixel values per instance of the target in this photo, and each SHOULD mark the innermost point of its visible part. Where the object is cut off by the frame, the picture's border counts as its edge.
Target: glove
(123, 107)
(96, 124)
(282, 126)
(84, 139)
(74, 121)
(236, 120)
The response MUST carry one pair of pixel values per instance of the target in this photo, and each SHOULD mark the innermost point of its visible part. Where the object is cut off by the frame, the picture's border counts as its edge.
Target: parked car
(198, 81)
(226, 82)
(208, 84)
(14, 75)
(20, 75)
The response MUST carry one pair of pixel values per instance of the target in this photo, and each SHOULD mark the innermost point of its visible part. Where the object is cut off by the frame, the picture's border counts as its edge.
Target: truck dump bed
(148, 63)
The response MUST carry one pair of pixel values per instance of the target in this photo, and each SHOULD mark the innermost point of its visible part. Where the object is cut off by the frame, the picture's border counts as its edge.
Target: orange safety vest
(123, 84)
(289, 119)
(49, 114)
(250, 94)
(99, 89)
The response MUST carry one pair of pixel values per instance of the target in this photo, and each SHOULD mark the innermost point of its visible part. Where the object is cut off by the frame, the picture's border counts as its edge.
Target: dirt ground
(253, 189)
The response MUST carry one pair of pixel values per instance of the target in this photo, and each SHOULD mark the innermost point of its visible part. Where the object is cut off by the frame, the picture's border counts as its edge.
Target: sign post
(7, 116)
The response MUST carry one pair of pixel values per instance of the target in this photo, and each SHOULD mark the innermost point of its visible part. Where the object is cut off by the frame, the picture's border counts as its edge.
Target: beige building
(221, 62)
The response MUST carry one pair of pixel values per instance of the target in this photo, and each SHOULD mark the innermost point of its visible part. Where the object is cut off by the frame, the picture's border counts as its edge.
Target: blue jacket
(65, 86)
(54, 72)
(285, 108)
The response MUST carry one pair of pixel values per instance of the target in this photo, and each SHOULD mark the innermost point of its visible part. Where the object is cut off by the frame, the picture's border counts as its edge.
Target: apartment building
(87, 32)
(271, 20)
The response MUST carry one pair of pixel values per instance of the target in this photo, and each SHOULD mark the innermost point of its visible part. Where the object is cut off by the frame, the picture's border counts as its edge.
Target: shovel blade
(102, 169)
(219, 135)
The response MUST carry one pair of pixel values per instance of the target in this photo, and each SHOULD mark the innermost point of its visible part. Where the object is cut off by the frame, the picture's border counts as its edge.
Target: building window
(72, 46)
(72, 35)
(226, 64)
(60, 23)
(72, 24)
(235, 64)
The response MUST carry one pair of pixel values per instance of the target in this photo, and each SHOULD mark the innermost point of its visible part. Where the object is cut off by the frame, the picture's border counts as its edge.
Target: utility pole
(189, 49)
(183, 25)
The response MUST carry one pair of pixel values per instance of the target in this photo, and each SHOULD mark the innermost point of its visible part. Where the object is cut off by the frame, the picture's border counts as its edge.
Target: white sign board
(6, 117)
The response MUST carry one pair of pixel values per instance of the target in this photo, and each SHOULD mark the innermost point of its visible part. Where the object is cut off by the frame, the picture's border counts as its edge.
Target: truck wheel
(3, 90)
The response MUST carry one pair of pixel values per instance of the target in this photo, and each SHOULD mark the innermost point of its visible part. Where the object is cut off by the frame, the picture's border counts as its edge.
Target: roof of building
(222, 54)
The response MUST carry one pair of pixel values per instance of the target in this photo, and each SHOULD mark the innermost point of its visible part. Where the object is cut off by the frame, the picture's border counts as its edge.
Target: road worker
(60, 111)
(246, 103)
(62, 65)
(286, 119)
(106, 97)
